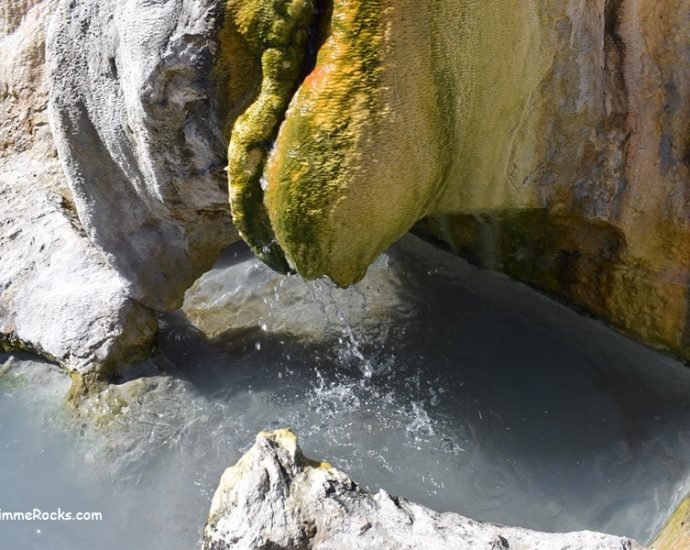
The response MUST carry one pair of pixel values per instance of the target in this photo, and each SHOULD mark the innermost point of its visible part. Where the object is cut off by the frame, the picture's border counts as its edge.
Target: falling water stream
(451, 386)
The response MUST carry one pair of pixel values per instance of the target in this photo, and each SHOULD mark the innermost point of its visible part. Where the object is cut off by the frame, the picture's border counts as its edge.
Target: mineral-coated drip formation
(276, 32)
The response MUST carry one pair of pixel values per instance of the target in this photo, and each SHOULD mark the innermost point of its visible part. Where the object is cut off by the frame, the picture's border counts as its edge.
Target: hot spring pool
(451, 386)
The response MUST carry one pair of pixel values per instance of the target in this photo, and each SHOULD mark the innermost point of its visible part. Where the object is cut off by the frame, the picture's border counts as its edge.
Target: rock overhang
(375, 136)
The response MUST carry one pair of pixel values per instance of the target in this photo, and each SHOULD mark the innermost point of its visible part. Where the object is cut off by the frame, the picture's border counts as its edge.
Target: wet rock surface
(275, 497)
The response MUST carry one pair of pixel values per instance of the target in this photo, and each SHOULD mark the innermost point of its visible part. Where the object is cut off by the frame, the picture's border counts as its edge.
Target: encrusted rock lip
(317, 155)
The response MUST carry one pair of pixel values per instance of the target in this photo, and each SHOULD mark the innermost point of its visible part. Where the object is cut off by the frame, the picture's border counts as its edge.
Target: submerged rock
(275, 497)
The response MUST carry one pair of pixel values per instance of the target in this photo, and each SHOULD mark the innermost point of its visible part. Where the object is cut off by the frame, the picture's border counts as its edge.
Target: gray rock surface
(276, 498)
(140, 136)
(58, 295)
(108, 219)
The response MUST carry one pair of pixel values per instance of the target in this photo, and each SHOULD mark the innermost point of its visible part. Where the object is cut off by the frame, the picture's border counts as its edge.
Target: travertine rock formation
(556, 137)
(551, 144)
(276, 498)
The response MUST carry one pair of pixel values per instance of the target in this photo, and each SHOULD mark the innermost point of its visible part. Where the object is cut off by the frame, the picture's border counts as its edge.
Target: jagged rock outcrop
(274, 497)
(58, 295)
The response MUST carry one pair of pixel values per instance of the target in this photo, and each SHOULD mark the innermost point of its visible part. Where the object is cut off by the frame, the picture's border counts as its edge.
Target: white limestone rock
(108, 219)
(138, 132)
(58, 295)
(275, 498)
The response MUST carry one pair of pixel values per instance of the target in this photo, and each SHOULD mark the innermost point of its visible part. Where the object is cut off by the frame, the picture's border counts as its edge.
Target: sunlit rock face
(555, 137)
(140, 138)
(57, 293)
(602, 145)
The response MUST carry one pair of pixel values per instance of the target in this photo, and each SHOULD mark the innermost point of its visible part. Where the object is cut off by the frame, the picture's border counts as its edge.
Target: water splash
(421, 426)
(328, 296)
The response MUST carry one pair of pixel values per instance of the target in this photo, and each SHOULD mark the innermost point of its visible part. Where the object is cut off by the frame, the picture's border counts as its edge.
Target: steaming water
(451, 386)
